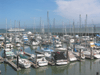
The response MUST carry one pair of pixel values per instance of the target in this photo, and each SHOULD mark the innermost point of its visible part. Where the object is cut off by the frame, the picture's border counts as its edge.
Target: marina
(57, 63)
(49, 37)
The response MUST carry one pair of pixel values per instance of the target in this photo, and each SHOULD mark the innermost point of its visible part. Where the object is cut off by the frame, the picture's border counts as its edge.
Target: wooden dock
(1, 60)
(51, 63)
(34, 65)
(71, 55)
(28, 54)
(89, 57)
(14, 66)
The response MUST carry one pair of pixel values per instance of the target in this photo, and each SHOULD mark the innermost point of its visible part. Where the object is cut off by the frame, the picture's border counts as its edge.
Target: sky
(28, 12)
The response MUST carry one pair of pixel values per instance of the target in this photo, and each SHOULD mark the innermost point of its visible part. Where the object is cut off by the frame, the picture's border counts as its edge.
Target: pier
(28, 54)
(34, 65)
(14, 66)
(1, 59)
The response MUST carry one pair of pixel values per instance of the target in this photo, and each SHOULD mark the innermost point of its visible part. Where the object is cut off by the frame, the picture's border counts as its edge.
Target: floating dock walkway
(1, 59)
(14, 66)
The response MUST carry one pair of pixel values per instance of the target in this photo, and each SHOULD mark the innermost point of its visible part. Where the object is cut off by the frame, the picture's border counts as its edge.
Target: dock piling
(67, 53)
(80, 55)
(36, 59)
(17, 61)
(97, 73)
(91, 57)
(4, 54)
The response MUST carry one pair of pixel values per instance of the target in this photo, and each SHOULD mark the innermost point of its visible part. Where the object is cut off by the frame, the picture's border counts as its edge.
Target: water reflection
(5, 66)
(86, 67)
(25, 71)
(58, 69)
(71, 65)
(41, 69)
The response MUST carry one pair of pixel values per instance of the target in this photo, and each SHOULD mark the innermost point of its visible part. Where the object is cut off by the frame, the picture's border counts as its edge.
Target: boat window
(39, 57)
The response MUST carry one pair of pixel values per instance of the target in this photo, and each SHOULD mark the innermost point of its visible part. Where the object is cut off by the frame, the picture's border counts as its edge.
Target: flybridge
(15, 29)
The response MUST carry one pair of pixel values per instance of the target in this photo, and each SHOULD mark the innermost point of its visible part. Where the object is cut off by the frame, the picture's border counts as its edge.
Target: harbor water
(86, 67)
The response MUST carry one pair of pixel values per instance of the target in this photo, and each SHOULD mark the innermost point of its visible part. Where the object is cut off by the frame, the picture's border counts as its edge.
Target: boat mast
(6, 28)
(74, 35)
(70, 28)
(80, 24)
(48, 20)
(19, 26)
(54, 25)
(40, 25)
(34, 26)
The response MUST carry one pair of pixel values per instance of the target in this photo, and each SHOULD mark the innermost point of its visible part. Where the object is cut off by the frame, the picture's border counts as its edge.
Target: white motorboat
(9, 54)
(35, 43)
(15, 29)
(24, 63)
(77, 53)
(61, 49)
(72, 57)
(7, 49)
(18, 45)
(20, 52)
(1, 38)
(59, 58)
(41, 61)
(57, 45)
(8, 44)
(97, 54)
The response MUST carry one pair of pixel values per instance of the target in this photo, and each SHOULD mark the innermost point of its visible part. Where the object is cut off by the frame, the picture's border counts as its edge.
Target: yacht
(18, 44)
(72, 56)
(1, 38)
(15, 29)
(9, 54)
(41, 60)
(77, 54)
(59, 58)
(24, 63)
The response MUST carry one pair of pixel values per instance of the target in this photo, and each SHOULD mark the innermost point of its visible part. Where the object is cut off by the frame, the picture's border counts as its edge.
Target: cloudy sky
(70, 9)
(65, 11)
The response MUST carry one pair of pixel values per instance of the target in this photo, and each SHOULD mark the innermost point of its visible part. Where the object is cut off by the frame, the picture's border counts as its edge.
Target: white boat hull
(97, 56)
(42, 64)
(24, 63)
(72, 59)
(61, 63)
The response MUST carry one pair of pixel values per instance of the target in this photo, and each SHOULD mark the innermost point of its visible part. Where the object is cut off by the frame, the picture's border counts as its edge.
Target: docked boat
(8, 44)
(24, 63)
(7, 49)
(96, 54)
(35, 43)
(72, 56)
(15, 29)
(1, 38)
(77, 54)
(59, 58)
(57, 45)
(9, 54)
(47, 50)
(18, 45)
(41, 60)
